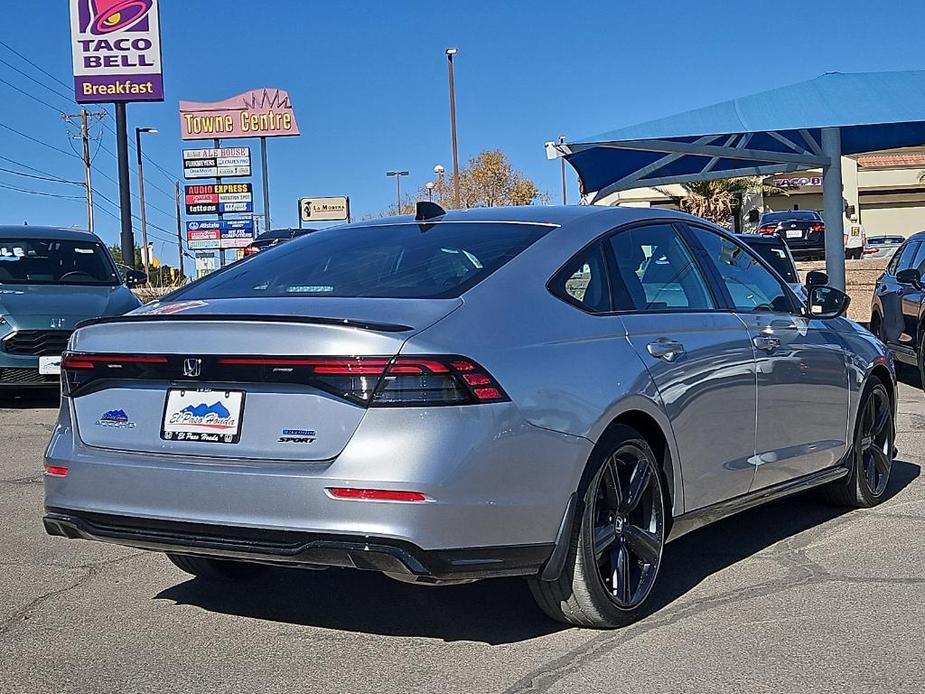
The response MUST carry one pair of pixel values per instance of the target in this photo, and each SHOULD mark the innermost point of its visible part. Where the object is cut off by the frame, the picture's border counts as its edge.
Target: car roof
(554, 215)
(27, 231)
(917, 236)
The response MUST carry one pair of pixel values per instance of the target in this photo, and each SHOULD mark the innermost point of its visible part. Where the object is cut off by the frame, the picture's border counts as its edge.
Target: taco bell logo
(116, 50)
(108, 16)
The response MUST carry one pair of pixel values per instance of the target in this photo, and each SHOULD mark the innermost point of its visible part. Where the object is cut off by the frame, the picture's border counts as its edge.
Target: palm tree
(721, 199)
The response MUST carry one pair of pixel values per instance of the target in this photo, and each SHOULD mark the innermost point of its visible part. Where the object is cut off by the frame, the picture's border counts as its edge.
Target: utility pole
(179, 233)
(84, 118)
(146, 252)
(127, 236)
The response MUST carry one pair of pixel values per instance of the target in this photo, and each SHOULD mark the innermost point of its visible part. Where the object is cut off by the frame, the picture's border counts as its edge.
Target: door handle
(766, 343)
(666, 349)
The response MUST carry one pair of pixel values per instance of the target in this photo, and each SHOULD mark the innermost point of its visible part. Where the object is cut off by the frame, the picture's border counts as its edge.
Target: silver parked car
(546, 392)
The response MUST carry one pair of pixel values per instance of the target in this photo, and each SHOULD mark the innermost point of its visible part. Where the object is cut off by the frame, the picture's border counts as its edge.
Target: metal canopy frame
(734, 146)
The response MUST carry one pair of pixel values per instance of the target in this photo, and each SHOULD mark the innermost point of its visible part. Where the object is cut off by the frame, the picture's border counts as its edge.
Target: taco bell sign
(116, 47)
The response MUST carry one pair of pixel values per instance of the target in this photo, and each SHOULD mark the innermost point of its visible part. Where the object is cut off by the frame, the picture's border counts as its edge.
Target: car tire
(212, 569)
(870, 459)
(617, 539)
(876, 326)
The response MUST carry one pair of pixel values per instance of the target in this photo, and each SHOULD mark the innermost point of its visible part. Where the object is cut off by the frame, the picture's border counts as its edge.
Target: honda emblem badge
(192, 367)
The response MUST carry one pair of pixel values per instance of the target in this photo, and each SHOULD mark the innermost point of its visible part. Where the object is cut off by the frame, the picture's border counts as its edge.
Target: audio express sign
(219, 198)
(217, 163)
(224, 233)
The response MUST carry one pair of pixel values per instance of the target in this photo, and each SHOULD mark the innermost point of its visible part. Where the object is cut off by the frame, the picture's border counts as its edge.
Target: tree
(116, 252)
(488, 180)
(719, 200)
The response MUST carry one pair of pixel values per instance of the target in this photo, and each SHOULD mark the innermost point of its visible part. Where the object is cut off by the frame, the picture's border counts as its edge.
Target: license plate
(50, 366)
(794, 234)
(211, 416)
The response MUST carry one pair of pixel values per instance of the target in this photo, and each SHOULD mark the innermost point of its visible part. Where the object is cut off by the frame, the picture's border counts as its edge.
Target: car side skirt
(688, 522)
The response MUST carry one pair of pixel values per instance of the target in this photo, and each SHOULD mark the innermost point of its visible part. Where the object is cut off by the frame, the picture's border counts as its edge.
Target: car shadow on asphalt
(498, 611)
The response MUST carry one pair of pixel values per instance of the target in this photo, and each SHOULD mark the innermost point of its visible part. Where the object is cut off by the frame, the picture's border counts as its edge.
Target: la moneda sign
(257, 113)
(116, 48)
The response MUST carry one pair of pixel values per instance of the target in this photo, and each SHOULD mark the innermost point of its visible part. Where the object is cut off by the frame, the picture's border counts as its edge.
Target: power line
(37, 67)
(40, 192)
(52, 179)
(37, 141)
(29, 77)
(31, 168)
(31, 96)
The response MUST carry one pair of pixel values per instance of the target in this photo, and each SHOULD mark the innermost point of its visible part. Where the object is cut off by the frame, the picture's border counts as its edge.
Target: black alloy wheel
(629, 526)
(617, 539)
(876, 441)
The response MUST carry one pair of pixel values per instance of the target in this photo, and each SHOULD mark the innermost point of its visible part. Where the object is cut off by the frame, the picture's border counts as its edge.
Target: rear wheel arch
(657, 439)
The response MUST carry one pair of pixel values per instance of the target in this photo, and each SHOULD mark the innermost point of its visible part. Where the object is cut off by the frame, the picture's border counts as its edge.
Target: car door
(802, 369)
(699, 357)
(889, 291)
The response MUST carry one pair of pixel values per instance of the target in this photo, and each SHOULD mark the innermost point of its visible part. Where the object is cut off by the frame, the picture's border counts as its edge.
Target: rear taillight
(767, 229)
(390, 382)
(250, 250)
(816, 227)
(79, 369)
(374, 494)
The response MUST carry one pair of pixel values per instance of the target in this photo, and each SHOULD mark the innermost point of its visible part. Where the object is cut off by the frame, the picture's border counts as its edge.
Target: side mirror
(909, 276)
(816, 278)
(135, 277)
(826, 302)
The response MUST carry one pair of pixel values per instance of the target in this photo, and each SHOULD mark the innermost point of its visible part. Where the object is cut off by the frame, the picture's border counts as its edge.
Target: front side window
(655, 271)
(583, 281)
(752, 287)
(432, 261)
(54, 261)
(903, 259)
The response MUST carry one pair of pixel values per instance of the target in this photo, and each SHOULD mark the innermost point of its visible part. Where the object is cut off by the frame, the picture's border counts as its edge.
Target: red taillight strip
(88, 361)
(345, 367)
(56, 471)
(374, 494)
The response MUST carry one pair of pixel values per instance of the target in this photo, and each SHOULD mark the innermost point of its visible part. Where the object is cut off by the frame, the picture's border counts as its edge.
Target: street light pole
(430, 191)
(562, 160)
(397, 175)
(450, 52)
(145, 259)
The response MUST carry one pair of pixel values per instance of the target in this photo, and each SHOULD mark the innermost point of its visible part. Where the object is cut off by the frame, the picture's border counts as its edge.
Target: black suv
(802, 230)
(897, 305)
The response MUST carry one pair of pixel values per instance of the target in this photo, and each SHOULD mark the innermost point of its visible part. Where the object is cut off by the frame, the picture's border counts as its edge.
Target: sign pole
(179, 234)
(218, 180)
(266, 183)
(125, 194)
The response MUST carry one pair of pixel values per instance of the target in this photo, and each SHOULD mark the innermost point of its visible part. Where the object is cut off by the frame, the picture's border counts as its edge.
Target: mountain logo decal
(116, 419)
(212, 416)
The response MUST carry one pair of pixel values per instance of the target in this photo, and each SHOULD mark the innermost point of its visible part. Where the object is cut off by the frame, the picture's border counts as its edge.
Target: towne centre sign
(257, 113)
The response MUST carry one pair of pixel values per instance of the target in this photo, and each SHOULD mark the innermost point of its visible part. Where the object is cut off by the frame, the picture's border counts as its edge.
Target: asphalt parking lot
(794, 597)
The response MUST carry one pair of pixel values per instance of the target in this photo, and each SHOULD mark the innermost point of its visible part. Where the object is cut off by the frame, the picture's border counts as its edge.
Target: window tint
(773, 217)
(919, 261)
(584, 281)
(55, 261)
(776, 256)
(750, 285)
(656, 271)
(903, 259)
(435, 261)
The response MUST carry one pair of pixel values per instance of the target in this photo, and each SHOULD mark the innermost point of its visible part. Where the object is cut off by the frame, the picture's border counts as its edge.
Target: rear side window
(583, 281)
(777, 258)
(656, 271)
(434, 261)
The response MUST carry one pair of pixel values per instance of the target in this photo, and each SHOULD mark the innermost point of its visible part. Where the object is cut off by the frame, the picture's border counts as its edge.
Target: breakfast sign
(258, 113)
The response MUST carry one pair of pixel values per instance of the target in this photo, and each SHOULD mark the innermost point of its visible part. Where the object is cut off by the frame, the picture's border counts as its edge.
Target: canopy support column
(834, 208)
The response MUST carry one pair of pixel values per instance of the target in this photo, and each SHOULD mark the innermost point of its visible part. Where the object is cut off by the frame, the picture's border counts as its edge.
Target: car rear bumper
(300, 548)
(491, 480)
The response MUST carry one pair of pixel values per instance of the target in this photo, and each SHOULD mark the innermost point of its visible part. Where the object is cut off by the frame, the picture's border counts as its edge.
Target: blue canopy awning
(774, 131)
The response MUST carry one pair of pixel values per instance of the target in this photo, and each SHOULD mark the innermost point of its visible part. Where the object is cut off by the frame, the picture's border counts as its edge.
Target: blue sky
(368, 82)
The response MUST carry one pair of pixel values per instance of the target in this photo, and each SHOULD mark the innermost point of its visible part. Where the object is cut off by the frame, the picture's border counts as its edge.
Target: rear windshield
(53, 261)
(436, 261)
(777, 258)
(792, 214)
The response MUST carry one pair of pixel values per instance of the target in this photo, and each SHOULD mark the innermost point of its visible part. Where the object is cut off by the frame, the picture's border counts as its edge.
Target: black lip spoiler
(258, 318)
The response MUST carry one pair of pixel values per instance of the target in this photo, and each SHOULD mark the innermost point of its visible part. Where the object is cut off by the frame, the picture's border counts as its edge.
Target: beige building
(883, 187)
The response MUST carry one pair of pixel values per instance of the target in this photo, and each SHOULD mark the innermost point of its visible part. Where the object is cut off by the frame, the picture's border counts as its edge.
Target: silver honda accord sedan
(545, 392)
